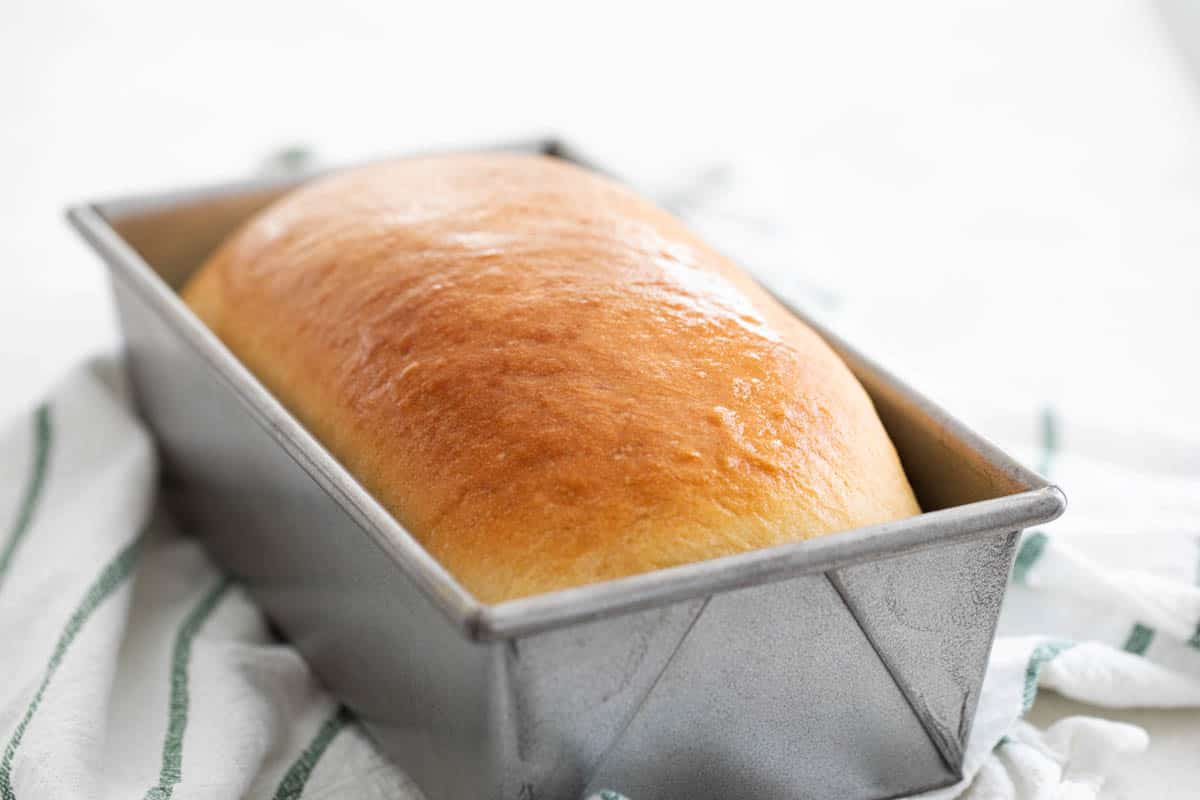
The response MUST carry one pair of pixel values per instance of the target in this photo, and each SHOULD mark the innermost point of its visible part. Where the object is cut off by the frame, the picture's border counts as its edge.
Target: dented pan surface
(845, 666)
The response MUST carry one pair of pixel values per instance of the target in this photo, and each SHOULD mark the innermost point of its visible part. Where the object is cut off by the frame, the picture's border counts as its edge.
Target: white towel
(133, 668)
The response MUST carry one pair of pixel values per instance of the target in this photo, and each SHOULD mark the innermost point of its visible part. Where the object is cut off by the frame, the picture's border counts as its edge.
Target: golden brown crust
(546, 379)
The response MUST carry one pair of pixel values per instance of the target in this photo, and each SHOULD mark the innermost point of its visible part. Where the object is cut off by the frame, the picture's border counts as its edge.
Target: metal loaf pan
(843, 667)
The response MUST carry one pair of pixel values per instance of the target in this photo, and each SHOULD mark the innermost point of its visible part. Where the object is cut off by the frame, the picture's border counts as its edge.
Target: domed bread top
(545, 378)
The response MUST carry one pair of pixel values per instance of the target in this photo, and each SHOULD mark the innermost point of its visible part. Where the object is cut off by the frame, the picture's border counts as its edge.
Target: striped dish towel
(133, 668)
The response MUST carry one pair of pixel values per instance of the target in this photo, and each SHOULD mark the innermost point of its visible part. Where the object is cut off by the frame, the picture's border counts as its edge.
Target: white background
(1026, 174)
(1002, 199)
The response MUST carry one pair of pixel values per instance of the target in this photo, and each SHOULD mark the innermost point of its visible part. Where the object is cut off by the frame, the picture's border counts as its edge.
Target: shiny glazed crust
(546, 379)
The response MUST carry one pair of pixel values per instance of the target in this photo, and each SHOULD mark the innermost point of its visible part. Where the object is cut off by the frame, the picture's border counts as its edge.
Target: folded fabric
(132, 666)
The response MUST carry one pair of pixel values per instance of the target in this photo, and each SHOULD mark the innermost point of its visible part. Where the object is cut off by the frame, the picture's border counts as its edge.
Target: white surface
(1002, 195)
(1166, 769)
(1027, 173)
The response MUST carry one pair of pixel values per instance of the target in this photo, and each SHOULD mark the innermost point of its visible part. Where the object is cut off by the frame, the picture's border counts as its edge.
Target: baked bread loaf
(548, 380)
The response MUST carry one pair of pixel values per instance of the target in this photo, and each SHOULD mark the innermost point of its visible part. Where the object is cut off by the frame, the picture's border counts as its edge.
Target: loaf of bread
(548, 380)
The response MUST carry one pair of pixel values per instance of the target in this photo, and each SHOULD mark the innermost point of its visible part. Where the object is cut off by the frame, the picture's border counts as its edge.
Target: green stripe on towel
(1195, 640)
(1041, 655)
(1139, 640)
(1032, 546)
(172, 754)
(1049, 440)
(294, 780)
(114, 574)
(42, 433)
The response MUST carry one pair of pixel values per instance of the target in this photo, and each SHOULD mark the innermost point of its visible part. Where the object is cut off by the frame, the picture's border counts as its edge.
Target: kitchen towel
(132, 667)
